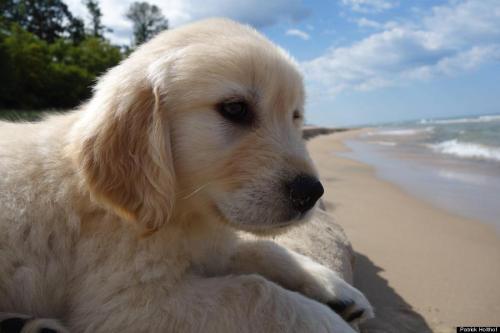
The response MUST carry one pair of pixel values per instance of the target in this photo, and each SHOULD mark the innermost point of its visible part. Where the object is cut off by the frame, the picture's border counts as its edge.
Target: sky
(365, 61)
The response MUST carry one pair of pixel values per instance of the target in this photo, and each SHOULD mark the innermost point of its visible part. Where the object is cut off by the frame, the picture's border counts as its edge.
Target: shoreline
(423, 268)
(467, 187)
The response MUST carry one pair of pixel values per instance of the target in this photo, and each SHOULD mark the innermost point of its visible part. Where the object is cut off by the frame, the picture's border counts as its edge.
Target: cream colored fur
(122, 216)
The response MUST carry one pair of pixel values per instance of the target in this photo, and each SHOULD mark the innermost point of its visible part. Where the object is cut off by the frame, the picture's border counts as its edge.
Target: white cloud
(369, 6)
(256, 13)
(456, 37)
(298, 33)
(366, 23)
(461, 61)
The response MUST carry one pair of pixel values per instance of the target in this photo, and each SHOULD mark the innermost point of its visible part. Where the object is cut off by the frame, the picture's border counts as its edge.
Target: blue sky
(367, 61)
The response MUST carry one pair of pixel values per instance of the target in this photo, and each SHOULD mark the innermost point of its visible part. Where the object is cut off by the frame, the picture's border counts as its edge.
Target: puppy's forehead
(241, 63)
(264, 73)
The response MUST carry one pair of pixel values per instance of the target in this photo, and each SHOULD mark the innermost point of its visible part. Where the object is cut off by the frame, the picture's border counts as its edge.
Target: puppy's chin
(267, 228)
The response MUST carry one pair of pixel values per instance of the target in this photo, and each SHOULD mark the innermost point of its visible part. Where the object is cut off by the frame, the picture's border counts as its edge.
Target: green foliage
(147, 19)
(24, 58)
(76, 30)
(94, 55)
(39, 75)
(50, 59)
(48, 19)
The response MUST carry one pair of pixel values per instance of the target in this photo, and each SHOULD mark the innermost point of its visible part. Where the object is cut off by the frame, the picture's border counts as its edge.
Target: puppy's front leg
(242, 303)
(299, 273)
(251, 303)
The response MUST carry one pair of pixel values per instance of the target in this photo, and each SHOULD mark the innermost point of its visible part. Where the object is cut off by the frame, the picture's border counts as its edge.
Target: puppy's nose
(304, 191)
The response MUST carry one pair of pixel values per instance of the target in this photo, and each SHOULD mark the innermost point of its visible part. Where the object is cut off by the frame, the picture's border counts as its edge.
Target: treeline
(50, 58)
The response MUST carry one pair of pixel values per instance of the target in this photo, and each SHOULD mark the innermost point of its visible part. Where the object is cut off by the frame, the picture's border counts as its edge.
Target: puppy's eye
(237, 112)
(296, 115)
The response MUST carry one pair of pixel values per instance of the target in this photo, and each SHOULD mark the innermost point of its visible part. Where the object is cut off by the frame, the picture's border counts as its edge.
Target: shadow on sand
(393, 314)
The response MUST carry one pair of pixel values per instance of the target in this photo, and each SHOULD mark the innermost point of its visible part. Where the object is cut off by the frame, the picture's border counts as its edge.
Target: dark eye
(237, 112)
(297, 115)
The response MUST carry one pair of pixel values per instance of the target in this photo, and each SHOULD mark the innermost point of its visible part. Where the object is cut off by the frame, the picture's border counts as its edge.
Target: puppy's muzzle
(304, 191)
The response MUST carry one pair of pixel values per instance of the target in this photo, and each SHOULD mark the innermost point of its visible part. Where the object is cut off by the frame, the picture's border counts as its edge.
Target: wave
(384, 143)
(403, 131)
(480, 119)
(467, 150)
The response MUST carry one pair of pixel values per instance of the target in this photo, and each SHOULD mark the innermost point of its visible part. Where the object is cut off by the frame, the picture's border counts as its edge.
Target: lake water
(452, 163)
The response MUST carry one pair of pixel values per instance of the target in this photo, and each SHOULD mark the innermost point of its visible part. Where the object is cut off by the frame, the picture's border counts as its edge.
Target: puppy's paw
(348, 302)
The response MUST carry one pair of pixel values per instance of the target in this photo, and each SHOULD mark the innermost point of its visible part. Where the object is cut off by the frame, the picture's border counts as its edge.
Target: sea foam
(480, 119)
(403, 131)
(467, 150)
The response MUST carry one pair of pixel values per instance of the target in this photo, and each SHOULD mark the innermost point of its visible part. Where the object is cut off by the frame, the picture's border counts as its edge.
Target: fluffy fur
(123, 215)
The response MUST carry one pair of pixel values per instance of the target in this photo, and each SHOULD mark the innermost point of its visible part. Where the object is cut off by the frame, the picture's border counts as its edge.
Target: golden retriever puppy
(122, 216)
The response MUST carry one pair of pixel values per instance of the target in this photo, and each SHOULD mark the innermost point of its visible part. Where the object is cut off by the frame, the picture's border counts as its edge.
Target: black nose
(304, 191)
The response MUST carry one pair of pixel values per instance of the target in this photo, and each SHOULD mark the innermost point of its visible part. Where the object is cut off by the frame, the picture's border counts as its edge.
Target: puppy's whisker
(200, 188)
(196, 191)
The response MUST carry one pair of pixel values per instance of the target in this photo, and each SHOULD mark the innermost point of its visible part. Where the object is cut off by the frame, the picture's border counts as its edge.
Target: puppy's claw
(355, 315)
(350, 311)
(340, 306)
(47, 330)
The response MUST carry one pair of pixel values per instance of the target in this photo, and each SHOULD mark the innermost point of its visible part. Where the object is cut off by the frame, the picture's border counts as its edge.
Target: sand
(423, 269)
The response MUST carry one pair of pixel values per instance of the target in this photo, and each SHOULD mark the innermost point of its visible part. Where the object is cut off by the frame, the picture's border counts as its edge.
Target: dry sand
(423, 269)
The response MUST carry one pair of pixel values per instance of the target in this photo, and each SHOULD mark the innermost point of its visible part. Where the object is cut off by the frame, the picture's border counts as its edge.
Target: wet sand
(423, 268)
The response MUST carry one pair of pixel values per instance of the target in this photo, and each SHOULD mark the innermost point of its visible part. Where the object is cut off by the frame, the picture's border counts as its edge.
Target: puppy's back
(35, 175)
(36, 171)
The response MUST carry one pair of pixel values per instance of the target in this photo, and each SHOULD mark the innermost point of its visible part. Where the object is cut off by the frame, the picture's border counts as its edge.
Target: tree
(48, 19)
(95, 55)
(97, 29)
(76, 30)
(8, 11)
(25, 59)
(147, 19)
(39, 75)
(47, 60)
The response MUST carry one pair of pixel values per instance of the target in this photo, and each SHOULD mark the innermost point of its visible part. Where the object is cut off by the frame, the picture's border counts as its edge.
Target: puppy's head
(205, 117)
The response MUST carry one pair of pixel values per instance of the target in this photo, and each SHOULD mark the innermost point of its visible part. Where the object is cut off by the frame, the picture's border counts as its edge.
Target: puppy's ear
(126, 157)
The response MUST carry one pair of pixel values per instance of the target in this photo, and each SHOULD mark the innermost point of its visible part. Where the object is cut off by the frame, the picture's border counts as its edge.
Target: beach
(424, 268)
